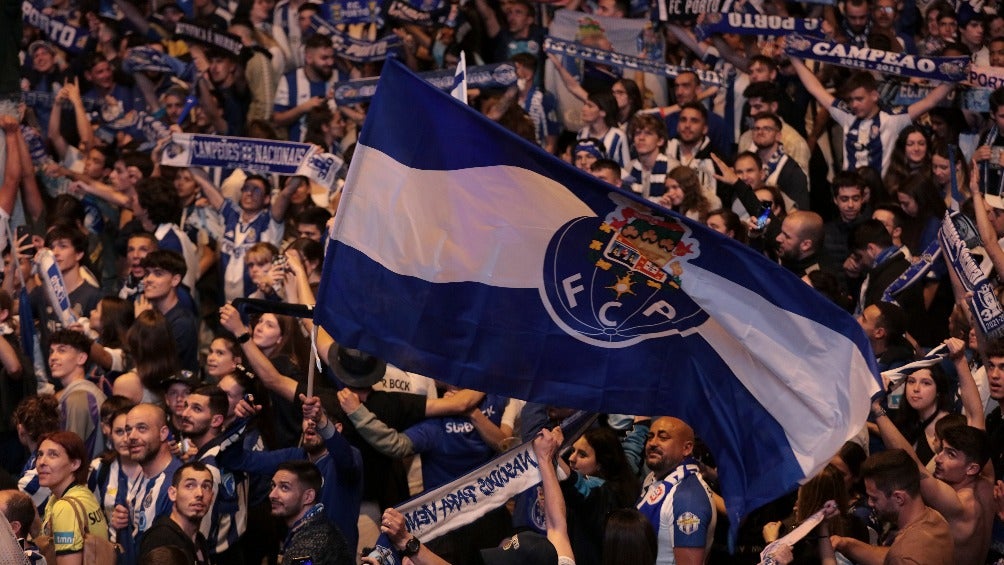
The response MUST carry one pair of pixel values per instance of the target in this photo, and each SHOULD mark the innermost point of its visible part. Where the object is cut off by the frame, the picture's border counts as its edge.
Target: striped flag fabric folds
(464, 253)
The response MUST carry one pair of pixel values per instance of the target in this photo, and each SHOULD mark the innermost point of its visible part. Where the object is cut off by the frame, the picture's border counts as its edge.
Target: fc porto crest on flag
(625, 286)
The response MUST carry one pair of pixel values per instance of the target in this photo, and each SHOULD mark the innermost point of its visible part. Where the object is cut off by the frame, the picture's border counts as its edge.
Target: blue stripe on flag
(464, 253)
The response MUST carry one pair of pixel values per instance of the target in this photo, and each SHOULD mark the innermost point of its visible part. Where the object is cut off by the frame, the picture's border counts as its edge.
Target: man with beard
(202, 423)
(190, 491)
(339, 463)
(305, 88)
(692, 148)
(892, 482)
(779, 169)
(675, 498)
(146, 427)
(799, 242)
(296, 489)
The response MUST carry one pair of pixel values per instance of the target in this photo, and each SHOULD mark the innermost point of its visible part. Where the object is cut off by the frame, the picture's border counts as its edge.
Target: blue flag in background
(467, 254)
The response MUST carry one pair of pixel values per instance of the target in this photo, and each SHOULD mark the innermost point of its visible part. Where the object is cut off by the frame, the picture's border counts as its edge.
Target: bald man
(675, 498)
(799, 242)
(147, 432)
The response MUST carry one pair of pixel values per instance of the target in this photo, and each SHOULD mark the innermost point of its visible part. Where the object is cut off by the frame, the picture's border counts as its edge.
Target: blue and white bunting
(355, 50)
(983, 304)
(482, 260)
(579, 50)
(943, 69)
(57, 29)
(252, 154)
(755, 24)
(496, 75)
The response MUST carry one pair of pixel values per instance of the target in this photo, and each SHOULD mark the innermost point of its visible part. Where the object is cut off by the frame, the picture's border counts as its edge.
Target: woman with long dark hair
(599, 480)
(928, 398)
(151, 345)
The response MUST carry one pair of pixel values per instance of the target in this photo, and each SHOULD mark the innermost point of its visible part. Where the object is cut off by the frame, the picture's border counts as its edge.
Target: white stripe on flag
(460, 80)
(439, 221)
(784, 375)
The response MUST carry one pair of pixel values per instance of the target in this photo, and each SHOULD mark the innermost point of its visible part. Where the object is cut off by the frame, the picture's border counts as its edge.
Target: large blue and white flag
(462, 252)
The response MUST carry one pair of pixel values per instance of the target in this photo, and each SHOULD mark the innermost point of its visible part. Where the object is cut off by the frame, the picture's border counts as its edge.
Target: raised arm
(545, 447)
(281, 202)
(936, 493)
(933, 98)
(811, 83)
(382, 437)
(489, 17)
(209, 190)
(283, 386)
(571, 84)
(968, 391)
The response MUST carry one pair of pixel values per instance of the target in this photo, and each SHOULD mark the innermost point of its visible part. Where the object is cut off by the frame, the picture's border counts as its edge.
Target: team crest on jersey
(537, 515)
(615, 281)
(655, 494)
(688, 523)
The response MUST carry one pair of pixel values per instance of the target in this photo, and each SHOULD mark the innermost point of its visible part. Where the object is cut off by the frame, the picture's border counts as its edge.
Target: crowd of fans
(159, 416)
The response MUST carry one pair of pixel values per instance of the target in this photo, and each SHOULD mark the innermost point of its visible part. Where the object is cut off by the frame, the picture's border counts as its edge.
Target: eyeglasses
(886, 9)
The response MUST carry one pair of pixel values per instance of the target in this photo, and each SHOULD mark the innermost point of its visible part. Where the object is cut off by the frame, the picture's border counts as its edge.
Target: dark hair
(892, 318)
(995, 348)
(766, 91)
(940, 148)
(613, 464)
(67, 209)
(75, 450)
(696, 106)
(525, 59)
(769, 116)
(606, 164)
(145, 235)
(844, 179)
(197, 466)
(151, 345)
(164, 554)
(635, 99)
(6, 302)
(996, 99)
(854, 456)
(828, 484)
(117, 315)
(764, 60)
(871, 181)
(316, 119)
(869, 231)
(607, 104)
(972, 442)
(38, 415)
(898, 216)
(218, 403)
(261, 129)
(750, 155)
(68, 232)
(288, 343)
(930, 204)
(20, 508)
(317, 41)
(308, 249)
(732, 223)
(892, 470)
(859, 79)
(899, 167)
(306, 472)
(115, 406)
(159, 198)
(139, 160)
(952, 420)
(908, 420)
(74, 339)
(315, 216)
(170, 261)
(628, 537)
(649, 121)
(693, 197)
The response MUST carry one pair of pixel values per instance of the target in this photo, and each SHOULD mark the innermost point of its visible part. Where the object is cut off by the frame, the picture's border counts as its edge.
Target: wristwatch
(244, 337)
(411, 547)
